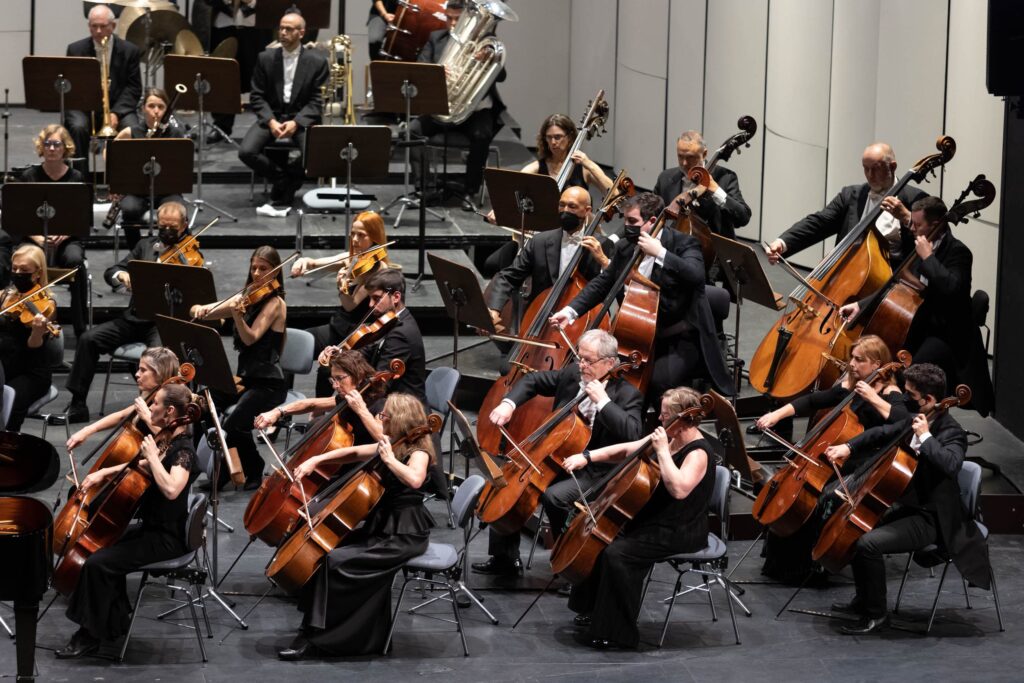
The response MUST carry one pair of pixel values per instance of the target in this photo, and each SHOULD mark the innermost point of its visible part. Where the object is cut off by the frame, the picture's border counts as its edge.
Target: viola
(25, 306)
(299, 555)
(624, 492)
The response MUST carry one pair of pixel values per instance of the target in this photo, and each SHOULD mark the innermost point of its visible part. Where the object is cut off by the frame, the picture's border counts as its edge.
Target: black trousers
(79, 125)
(251, 42)
(253, 154)
(133, 211)
(104, 339)
(677, 361)
(256, 398)
(479, 128)
(71, 254)
(902, 531)
(30, 384)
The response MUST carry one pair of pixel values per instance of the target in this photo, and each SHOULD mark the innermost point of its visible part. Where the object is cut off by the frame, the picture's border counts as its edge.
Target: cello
(624, 492)
(883, 484)
(789, 358)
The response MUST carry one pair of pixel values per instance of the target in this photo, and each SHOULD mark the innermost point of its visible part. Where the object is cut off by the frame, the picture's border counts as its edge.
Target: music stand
(355, 151)
(463, 300)
(46, 209)
(197, 74)
(317, 13)
(148, 167)
(169, 289)
(50, 84)
(746, 277)
(409, 88)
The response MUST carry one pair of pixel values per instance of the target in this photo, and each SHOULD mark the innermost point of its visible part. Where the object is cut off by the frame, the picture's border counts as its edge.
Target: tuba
(106, 130)
(473, 58)
(339, 80)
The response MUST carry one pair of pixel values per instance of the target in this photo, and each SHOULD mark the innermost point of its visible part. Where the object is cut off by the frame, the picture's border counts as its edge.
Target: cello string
(291, 478)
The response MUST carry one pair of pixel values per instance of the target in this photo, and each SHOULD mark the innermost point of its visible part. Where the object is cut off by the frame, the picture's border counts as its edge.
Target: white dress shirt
(291, 61)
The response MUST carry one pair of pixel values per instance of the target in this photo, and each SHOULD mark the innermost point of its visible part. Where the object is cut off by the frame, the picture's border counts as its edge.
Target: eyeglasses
(383, 416)
(555, 137)
(586, 361)
(53, 144)
(336, 381)
(288, 29)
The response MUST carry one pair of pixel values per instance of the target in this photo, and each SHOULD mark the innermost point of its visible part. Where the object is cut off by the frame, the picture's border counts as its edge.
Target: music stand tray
(128, 160)
(225, 98)
(41, 88)
(70, 206)
(471, 449)
(744, 272)
(430, 90)
(526, 201)
(169, 289)
(326, 148)
(317, 13)
(200, 346)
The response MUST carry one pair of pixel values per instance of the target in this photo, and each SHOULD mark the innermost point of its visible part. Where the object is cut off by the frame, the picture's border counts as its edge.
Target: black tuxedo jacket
(681, 283)
(267, 96)
(404, 342)
(840, 216)
(125, 78)
(146, 249)
(618, 421)
(934, 488)
(431, 54)
(721, 219)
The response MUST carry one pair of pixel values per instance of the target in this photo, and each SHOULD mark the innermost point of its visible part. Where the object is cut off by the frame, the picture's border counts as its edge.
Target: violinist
(943, 331)
(347, 605)
(260, 319)
(853, 203)
(27, 352)
(128, 327)
(134, 207)
(930, 511)
(612, 409)
(685, 346)
(674, 520)
(99, 604)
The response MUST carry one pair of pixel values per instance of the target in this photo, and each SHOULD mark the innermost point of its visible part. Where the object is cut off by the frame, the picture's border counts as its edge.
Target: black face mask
(570, 222)
(632, 233)
(22, 281)
(169, 236)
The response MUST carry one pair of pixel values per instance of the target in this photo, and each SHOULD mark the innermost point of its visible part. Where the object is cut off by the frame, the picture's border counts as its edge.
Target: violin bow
(291, 478)
(34, 294)
(786, 444)
(264, 280)
(191, 238)
(341, 259)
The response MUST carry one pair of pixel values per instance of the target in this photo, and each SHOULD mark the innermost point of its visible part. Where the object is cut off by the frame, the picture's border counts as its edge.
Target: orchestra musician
(685, 346)
(854, 202)
(557, 134)
(235, 19)
(134, 207)
(28, 353)
(347, 604)
(943, 331)
(128, 327)
(382, 13)
(99, 604)
(259, 314)
(674, 520)
(929, 512)
(612, 409)
(726, 210)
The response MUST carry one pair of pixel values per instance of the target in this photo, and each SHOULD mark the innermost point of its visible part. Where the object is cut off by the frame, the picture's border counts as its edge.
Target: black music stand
(317, 13)
(169, 289)
(147, 167)
(463, 300)
(198, 74)
(50, 84)
(47, 209)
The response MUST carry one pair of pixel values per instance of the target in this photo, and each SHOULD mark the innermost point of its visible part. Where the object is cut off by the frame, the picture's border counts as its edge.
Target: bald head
(101, 22)
(879, 164)
(575, 200)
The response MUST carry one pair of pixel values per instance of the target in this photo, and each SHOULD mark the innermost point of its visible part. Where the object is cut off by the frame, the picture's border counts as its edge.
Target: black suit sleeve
(131, 85)
(872, 439)
(543, 383)
(622, 415)
(949, 278)
(946, 449)
(817, 226)
(661, 185)
(311, 111)
(598, 288)
(733, 214)
(684, 262)
(138, 253)
(508, 279)
(261, 83)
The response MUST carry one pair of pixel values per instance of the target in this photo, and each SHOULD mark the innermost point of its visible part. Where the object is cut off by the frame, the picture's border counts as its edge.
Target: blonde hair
(874, 348)
(679, 399)
(65, 137)
(163, 360)
(34, 254)
(405, 413)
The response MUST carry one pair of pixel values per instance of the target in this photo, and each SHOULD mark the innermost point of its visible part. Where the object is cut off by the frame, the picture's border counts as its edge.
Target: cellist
(674, 520)
(930, 511)
(99, 604)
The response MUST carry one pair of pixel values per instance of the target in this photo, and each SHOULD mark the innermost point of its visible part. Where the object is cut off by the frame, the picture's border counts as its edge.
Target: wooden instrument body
(635, 327)
(895, 313)
(690, 223)
(415, 20)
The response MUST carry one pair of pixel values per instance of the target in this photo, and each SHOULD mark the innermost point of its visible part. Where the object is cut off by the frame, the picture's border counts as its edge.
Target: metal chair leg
(135, 612)
(664, 626)
(106, 383)
(195, 620)
(935, 603)
(903, 582)
(394, 617)
(967, 596)
(536, 537)
(995, 597)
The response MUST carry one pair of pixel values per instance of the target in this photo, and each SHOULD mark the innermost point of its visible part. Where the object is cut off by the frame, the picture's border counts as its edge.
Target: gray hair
(607, 346)
(108, 13)
(692, 137)
(176, 208)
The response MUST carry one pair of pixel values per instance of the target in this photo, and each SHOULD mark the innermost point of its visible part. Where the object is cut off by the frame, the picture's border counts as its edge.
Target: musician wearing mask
(286, 97)
(99, 604)
(685, 346)
(125, 79)
(724, 210)
(235, 19)
(546, 256)
(929, 512)
(128, 327)
(259, 314)
(347, 604)
(674, 520)
(612, 409)
(943, 331)
(134, 207)
(854, 202)
(27, 351)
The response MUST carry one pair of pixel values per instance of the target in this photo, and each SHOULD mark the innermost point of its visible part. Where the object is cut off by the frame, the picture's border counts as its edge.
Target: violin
(27, 305)
(256, 292)
(364, 334)
(186, 252)
(361, 265)
(354, 497)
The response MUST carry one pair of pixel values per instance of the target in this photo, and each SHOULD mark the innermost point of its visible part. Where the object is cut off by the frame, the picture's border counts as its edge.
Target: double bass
(790, 357)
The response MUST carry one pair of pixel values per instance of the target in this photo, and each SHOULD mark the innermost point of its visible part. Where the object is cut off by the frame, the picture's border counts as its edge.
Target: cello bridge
(525, 368)
(803, 308)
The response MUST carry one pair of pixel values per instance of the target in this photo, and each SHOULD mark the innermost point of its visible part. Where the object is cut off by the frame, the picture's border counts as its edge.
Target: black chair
(979, 312)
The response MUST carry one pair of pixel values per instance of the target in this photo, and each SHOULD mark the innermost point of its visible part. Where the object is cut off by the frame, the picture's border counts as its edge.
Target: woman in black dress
(99, 604)
(347, 604)
(259, 339)
(674, 520)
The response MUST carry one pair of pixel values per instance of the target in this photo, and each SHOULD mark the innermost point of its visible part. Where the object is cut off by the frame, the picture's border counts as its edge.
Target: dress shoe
(252, 484)
(852, 607)
(752, 428)
(499, 567)
(82, 643)
(77, 412)
(581, 621)
(867, 626)
(299, 649)
(584, 638)
(214, 137)
(565, 590)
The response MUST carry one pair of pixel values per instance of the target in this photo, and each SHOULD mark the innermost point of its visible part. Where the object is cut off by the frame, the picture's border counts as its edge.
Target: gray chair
(440, 388)
(7, 406)
(185, 568)
(297, 358)
(969, 480)
(446, 561)
(708, 562)
(55, 417)
(126, 352)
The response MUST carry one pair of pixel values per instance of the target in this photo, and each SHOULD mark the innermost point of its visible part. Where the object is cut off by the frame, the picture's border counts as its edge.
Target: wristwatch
(586, 454)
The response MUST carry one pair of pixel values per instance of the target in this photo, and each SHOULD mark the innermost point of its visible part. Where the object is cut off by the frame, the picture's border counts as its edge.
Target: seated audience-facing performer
(235, 19)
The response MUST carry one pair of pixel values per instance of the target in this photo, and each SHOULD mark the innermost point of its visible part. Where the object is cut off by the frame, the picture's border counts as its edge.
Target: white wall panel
(686, 70)
(15, 37)
(355, 28)
(591, 67)
(58, 22)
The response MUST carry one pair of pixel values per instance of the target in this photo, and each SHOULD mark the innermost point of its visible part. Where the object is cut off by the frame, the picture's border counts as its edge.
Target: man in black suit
(231, 19)
(725, 209)
(852, 203)
(685, 344)
(387, 293)
(611, 407)
(125, 79)
(943, 331)
(546, 256)
(287, 100)
(929, 512)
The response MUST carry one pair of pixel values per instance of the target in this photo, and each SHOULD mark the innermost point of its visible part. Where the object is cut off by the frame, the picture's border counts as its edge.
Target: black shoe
(499, 567)
(565, 590)
(867, 626)
(82, 643)
(252, 484)
(300, 649)
(214, 137)
(752, 428)
(852, 607)
(77, 412)
(584, 638)
(581, 621)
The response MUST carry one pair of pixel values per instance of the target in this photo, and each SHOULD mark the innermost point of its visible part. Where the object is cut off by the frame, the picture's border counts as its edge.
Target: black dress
(28, 371)
(576, 176)
(664, 527)
(100, 602)
(347, 603)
